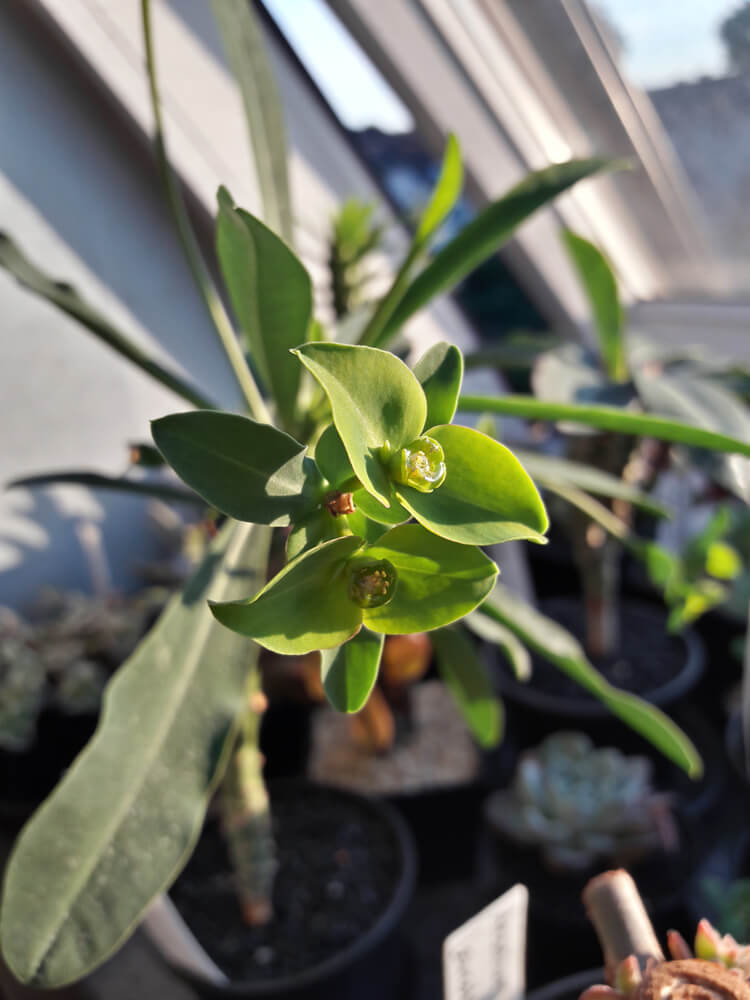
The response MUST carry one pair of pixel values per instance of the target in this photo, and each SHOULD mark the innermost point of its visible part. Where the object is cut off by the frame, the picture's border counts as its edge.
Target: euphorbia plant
(341, 448)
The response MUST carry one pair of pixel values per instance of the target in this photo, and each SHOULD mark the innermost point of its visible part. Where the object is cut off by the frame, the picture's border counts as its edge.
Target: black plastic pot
(28, 777)
(372, 966)
(569, 987)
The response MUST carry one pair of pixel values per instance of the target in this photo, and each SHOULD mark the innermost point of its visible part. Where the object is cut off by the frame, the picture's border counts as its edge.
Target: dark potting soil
(339, 864)
(648, 658)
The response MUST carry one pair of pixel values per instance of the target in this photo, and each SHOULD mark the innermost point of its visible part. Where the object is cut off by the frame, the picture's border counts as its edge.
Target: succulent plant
(581, 804)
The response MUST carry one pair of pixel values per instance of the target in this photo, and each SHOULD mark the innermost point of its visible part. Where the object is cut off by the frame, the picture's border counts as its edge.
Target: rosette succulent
(579, 804)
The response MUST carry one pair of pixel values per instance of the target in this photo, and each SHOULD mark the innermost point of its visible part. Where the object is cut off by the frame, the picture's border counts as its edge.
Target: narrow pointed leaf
(438, 581)
(492, 631)
(440, 371)
(554, 643)
(67, 299)
(600, 285)
(374, 398)
(464, 675)
(549, 470)
(443, 198)
(95, 481)
(120, 826)
(487, 232)
(487, 496)
(247, 52)
(304, 607)
(350, 671)
(250, 471)
(272, 298)
(606, 418)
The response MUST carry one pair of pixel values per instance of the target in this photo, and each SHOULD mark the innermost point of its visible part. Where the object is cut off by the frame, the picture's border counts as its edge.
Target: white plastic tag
(485, 958)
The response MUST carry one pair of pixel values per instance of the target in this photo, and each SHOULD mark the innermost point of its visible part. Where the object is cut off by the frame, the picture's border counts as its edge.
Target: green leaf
(123, 821)
(251, 471)
(550, 470)
(487, 496)
(438, 581)
(349, 672)
(600, 285)
(723, 561)
(246, 49)
(444, 197)
(464, 675)
(440, 371)
(272, 298)
(332, 459)
(486, 233)
(492, 631)
(374, 398)
(606, 418)
(445, 194)
(554, 643)
(141, 487)
(304, 607)
(67, 299)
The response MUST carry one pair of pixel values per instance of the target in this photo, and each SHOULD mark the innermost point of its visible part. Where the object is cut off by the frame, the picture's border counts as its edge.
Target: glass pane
(693, 60)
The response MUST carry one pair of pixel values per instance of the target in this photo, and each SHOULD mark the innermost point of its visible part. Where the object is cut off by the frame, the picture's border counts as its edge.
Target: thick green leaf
(704, 403)
(374, 399)
(571, 374)
(247, 52)
(554, 643)
(606, 418)
(464, 675)
(549, 470)
(442, 200)
(67, 299)
(487, 496)
(251, 471)
(440, 371)
(141, 487)
(304, 607)
(272, 298)
(492, 631)
(438, 581)
(349, 672)
(599, 283)
(122, 823)
(486, 233)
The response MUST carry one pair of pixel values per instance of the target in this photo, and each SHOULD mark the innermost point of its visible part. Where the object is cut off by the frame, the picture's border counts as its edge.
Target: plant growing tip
(373, 584)
(420, 464)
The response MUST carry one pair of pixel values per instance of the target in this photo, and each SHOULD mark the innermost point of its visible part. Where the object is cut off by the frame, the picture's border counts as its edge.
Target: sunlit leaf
(464, 675)
(350, 671)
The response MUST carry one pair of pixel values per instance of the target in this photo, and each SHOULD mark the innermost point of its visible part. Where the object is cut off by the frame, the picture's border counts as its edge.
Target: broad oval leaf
(600, 285)
(487, 497)
(248, 470)
(464, 675)
(349, 672)
(438, 581)
(374, 399)
(606, 418)
(271, 294)
(554, 643)
(303, 608)
(486, 233)
(440, 371)
(120, 826)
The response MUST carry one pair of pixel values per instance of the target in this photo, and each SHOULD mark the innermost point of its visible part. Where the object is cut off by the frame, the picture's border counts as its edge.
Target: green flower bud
(421, 465)
(373, 584)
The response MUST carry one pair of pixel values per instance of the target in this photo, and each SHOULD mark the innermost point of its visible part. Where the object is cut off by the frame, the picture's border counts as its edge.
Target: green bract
(408, 581)
(458, 483)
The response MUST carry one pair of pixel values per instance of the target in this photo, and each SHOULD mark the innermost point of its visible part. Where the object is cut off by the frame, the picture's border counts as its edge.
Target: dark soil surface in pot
(339, 864)
(648, 658)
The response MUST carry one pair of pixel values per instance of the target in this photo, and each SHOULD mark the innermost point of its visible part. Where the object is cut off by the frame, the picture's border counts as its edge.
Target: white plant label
(485, 958)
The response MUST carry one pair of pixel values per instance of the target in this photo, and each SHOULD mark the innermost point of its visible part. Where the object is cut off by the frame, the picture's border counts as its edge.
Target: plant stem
(245, 812)
(616, 910)
(205, 285)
